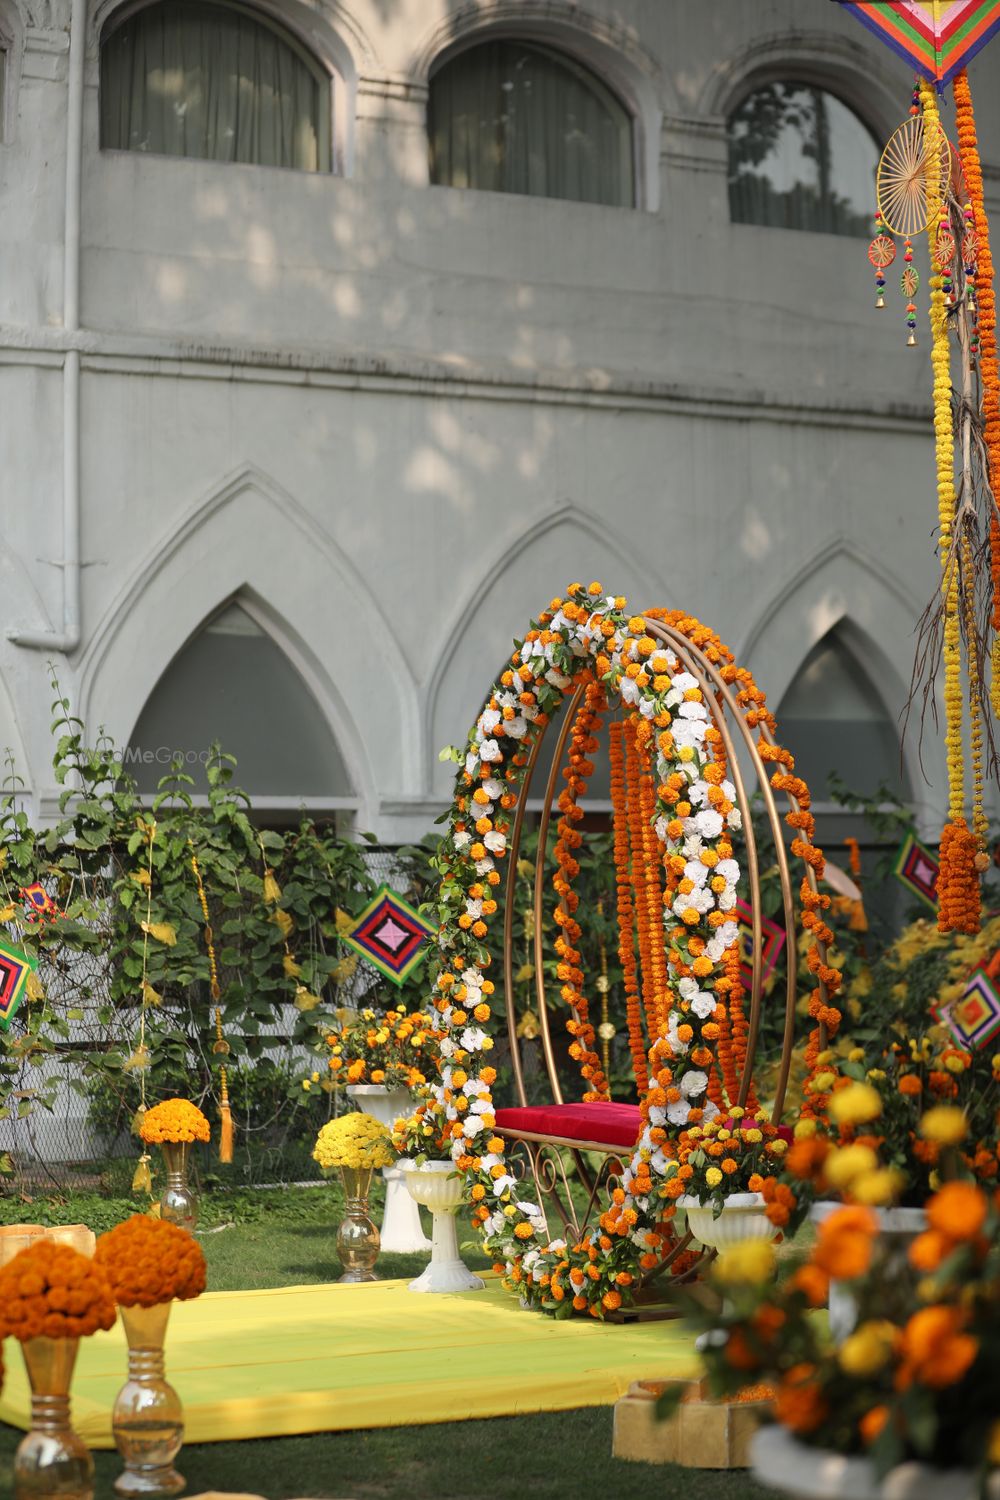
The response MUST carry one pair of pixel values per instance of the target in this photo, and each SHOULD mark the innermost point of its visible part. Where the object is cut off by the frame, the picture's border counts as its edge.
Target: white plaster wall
(400, 417)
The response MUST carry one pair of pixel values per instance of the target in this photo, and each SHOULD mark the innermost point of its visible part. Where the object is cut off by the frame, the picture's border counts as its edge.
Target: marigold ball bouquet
(148, 1261)
(397, 1048)
(918, 1376)
(726, 1155)
(52, 1291)
(355, 1141)
(174, 1121)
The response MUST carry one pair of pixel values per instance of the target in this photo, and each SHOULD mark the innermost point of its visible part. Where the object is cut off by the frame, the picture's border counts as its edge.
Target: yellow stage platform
(324, 1358)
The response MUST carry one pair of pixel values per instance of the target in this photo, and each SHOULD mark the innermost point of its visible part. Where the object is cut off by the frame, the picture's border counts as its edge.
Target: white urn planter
(743, 1217)
(781, 1462)
(898, 1225)
(439, 1187)
(401, 1229)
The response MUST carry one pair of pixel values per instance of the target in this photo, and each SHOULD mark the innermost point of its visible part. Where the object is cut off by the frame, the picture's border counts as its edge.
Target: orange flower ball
(149, 1261)
(52, 1291)
(174, 1120)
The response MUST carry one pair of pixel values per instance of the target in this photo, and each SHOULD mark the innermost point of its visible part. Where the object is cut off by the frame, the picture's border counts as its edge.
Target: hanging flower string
(626, 909)
(142, 1181)
(958, 881)
(968, 148)
(583, 743)
(220, 1046)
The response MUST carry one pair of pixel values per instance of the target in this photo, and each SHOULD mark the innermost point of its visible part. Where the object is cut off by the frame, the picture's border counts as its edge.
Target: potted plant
(383, 1059)
(355, 1145)
(433, 1179)
(906, 1405)
(719, 1173)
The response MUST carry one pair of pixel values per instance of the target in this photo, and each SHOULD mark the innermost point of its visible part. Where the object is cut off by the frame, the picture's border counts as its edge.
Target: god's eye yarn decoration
(390, 935)
(15, 968)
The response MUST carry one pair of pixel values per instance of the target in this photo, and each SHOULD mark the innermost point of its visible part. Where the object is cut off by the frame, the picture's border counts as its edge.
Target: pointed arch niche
(834, 719)
(232, 683)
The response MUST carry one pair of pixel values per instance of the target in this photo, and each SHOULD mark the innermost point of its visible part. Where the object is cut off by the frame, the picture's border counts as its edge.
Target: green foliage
(127, 961)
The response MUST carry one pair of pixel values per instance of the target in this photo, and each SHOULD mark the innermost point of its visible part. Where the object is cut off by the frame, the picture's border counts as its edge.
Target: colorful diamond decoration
(38, 898)
(15, 966)
(390, 935)
(973, 1019)
(772, 940)
(917, 868)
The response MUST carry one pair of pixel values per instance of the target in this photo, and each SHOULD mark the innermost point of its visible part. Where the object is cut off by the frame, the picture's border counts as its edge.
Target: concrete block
(701, 1434)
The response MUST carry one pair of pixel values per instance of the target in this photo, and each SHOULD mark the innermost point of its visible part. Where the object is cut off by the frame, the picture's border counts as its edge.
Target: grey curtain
(510, 117)
(208, 80)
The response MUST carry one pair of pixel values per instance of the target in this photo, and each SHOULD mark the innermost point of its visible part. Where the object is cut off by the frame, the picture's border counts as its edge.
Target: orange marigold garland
(583, 743)
(968, 148)
(626, 910)
(52, 1291)
(647, 899)
(148, 1261)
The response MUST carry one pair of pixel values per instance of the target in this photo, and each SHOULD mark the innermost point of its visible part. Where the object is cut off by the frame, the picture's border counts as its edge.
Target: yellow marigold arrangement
(918, 1375)
(397, 1048)
(174, 1121)
(356, 1140)
(421, 1135)
(734, 1154)
(52, 1291)
(688, 807)
(150, 1260)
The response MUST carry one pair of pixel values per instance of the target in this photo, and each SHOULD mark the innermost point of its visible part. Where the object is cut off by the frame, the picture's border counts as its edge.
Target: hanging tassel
(858, 920)
(142, 1182)
(225, 1123)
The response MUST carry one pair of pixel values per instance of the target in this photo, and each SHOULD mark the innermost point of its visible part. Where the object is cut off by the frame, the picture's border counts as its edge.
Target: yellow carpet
(323, 1358)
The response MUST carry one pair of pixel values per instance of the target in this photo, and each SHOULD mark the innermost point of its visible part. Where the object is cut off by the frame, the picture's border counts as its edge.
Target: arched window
(800, 159)
(215, 80)
(517, 117)
(833, 719)
(232, 684)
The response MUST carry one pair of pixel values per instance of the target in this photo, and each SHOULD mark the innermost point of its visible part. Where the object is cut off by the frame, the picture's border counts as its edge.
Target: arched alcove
(233, 685)
(835, 721)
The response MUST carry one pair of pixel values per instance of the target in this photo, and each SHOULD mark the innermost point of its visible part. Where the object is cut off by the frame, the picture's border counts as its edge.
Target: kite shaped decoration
(917, 867)
(390, 935)
(935, 37)
(772, 940)
(15, 967)
(974, 1019)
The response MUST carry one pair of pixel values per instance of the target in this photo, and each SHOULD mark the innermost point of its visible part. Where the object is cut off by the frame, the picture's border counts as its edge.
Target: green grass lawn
(261, 1239)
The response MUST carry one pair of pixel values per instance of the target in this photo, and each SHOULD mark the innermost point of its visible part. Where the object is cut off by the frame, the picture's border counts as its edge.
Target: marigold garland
(626, 910)
(957, 884)
(148, 1261)
(695, 820)
(583, 742)
(647, 901)
(174, 1120)
(52, 1291)
(968, 148)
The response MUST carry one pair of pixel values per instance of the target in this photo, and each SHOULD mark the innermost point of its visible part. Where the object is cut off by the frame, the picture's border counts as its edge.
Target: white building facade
(298, 430)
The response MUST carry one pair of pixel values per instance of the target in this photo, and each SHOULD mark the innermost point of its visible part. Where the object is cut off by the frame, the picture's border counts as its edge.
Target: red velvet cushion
(610, 1124)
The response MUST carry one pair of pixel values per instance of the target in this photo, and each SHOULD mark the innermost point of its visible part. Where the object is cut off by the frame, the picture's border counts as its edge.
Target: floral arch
(687, 705)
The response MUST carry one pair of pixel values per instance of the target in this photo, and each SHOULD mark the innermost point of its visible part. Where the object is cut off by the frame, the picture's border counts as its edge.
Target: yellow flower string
(220, 1046)
(958, 884)
(142, 1182)
(980, 822)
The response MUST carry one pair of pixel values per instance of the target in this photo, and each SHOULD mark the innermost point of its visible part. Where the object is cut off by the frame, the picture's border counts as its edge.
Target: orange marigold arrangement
(395, 1048)
(174, 1121)
(52, 1291)
(918, 1375)
(148, 1261)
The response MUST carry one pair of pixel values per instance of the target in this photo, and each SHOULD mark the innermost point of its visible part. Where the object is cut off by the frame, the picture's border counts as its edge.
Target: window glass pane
(233, 684)
(210, 80)
(833, 720)
(510, 117)
(799, 159)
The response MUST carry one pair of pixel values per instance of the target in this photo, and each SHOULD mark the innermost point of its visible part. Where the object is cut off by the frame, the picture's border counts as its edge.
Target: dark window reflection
(799, 159)
(512, 117)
